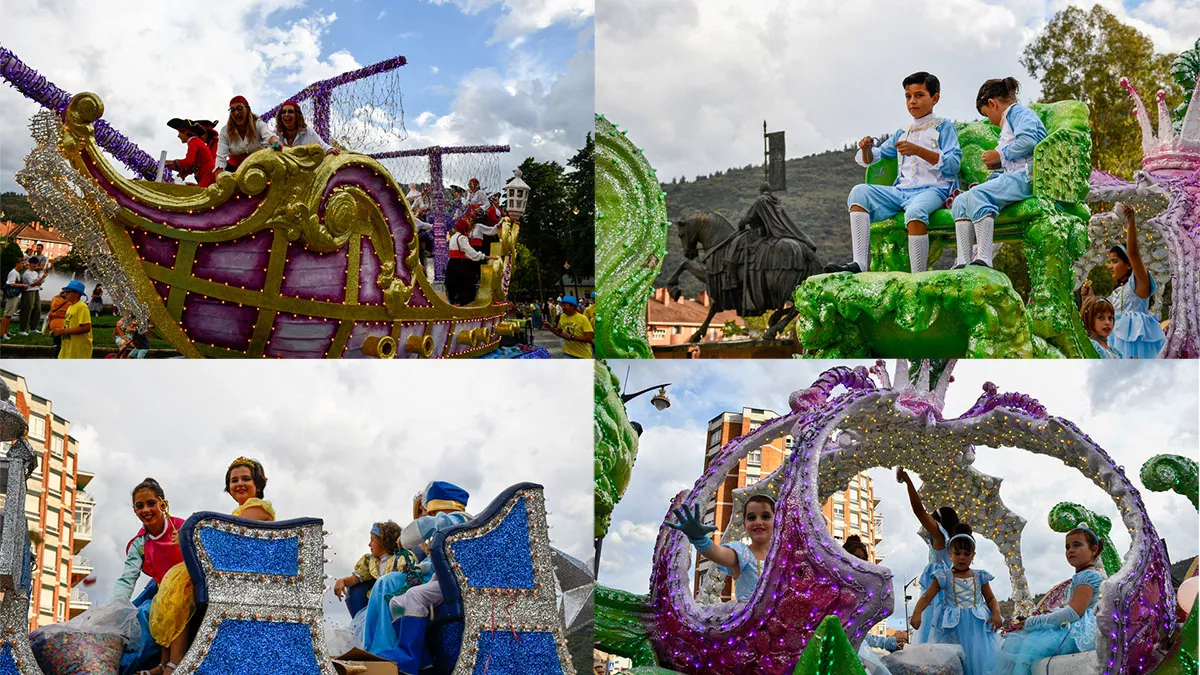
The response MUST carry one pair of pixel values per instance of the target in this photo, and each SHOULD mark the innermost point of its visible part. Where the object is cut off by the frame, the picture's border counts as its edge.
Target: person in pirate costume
(199, 160)
(242, 134)
(462, 270)
(292, 130)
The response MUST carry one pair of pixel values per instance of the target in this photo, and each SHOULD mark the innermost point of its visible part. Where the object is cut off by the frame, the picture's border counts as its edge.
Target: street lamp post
(907, 597)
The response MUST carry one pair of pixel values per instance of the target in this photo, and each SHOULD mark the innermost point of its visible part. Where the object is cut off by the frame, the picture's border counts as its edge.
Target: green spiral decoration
(1171, 472)
(616, 446)
(631, 242)
(1066, 515)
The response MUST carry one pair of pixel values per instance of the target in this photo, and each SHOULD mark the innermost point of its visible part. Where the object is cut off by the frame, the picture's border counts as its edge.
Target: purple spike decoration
(38, 89)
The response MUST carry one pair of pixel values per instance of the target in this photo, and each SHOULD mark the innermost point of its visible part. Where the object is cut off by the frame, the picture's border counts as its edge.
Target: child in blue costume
(871, 662)
(445, 506)
(935, 535)
(377, 633)
(1020, 132)
(928, 160)
(971, 615)
(1098, 319)
(1136, 333)
(1069, 629)
(744, 563)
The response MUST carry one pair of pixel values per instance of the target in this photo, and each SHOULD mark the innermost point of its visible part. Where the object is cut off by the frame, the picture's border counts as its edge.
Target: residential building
(29, 235)
(672, 322)
(57, 508)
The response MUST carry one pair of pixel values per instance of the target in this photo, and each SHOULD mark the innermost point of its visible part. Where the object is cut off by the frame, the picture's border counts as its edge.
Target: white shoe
(6, 336)
(22, 334)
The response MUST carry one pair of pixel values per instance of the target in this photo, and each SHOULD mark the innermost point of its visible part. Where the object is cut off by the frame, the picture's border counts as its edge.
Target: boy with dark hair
(928, 158)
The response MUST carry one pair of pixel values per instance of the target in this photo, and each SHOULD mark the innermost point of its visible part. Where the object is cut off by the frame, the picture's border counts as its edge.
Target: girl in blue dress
(1099, 317)
(744, 563)
(971, 614)
(1068, 629)
(936, 527)
(1136, 334)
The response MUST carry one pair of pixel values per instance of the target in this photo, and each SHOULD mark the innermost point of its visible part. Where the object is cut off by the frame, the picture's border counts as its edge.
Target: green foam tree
(616, 446)
(829, 652)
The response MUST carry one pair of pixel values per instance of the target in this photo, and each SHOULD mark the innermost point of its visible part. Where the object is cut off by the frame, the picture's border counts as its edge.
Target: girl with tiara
(153, 551)
(743, 562)
(937, 527)
(970, 614)
(1136, 333)
(1068, 629)
(175, 604)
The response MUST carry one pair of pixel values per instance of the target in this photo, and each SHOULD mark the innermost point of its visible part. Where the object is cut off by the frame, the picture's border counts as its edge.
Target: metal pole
(766, 156)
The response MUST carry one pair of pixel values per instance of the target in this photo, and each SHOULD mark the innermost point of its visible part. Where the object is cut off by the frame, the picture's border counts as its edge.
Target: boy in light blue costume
(445, 506)
(928, 156)
(1020, 132)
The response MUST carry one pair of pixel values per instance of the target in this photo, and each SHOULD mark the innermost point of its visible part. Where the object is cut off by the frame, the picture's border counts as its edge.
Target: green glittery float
(1051, 228)
(622, 626)
(1184, 661)
(829, 652)
(1161, 473)
(972, 312)
(1065, 516)
(631, 242)
(616, 446)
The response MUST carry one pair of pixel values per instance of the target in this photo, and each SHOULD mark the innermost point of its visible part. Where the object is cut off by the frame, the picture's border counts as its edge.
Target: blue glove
(689, 524)
(1059, 617)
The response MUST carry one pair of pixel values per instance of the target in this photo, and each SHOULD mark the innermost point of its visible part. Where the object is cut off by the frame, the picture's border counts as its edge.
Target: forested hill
(815, 199)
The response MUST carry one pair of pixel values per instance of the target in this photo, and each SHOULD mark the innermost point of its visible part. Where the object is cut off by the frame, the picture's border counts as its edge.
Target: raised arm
(1135, 254)
(697, 533)
(927, 521)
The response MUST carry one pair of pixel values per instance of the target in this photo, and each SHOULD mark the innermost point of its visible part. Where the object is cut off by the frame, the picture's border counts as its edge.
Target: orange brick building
(672, 322)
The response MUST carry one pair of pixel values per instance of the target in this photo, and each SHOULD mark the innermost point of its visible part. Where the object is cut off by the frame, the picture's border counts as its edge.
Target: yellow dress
(174, 604)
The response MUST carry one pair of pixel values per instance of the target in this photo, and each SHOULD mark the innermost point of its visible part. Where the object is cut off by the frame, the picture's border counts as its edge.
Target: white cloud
(382, 13)
(520, 18)
(693, 81)
(433, 69)
(347, 444)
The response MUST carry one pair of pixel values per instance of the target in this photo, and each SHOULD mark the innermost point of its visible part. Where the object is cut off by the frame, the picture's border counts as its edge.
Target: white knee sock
(918, 252)
(984, 228)
(963, 235)
(860, 238)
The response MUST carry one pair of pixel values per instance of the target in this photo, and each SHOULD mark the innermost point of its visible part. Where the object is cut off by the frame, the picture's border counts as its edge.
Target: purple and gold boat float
(297, 254)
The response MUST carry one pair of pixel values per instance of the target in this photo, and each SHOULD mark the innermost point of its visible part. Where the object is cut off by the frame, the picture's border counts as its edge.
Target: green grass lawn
(103, 328)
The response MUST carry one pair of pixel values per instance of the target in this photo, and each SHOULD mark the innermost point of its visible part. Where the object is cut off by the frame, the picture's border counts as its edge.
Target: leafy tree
(524, 285)
(545, 224)
(1081, 55)
(16, 208)
(581, 188)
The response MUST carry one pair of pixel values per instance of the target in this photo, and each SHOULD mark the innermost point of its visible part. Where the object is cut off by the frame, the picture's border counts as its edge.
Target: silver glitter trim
(262, 597)
(532, 610)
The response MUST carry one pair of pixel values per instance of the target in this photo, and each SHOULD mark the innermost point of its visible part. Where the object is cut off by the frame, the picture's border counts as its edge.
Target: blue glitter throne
(258, 589)
(500, 612)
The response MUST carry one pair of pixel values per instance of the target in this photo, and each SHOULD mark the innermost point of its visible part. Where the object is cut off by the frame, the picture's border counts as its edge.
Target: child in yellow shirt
(76, 330)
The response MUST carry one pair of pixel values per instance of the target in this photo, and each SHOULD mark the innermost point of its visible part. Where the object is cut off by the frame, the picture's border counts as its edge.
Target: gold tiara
(244, 461)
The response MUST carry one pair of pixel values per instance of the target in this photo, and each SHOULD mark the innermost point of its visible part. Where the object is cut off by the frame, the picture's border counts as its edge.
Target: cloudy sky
(479, 71)
(347, 444)
(693, 81)
(1132, 410)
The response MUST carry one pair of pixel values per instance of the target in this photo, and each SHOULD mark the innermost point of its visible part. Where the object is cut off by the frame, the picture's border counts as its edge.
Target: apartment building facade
(57, 507)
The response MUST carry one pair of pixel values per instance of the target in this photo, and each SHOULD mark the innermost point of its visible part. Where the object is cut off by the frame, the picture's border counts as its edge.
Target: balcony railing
(81, 563)
(79, 597)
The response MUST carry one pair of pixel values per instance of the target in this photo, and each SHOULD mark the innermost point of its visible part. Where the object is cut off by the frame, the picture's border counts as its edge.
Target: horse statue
(751, 269)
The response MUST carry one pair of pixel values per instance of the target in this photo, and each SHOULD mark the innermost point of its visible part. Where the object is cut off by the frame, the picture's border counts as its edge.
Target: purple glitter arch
(808, 576)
